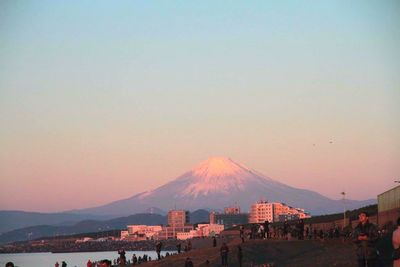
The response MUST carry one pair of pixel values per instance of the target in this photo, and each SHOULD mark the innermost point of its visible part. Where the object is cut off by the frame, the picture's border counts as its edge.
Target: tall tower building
(178, 218)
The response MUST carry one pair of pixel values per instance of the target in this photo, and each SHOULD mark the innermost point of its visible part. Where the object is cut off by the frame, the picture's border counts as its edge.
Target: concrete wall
(388, 217)
(389, 200)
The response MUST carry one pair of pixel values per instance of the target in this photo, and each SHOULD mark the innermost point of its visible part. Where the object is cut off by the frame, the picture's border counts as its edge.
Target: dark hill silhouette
(87, 226)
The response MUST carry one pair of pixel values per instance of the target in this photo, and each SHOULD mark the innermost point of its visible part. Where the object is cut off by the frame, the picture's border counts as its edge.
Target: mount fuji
(219, 182)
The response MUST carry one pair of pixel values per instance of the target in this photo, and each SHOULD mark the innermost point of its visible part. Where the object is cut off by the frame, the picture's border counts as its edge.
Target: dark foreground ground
(277, 253)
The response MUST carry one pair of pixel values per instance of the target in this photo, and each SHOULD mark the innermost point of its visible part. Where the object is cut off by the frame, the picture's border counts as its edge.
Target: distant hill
(88, 226)
(11, 219)
(199, 216)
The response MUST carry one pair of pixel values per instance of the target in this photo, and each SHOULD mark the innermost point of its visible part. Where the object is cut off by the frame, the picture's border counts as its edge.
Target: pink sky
(100, 102)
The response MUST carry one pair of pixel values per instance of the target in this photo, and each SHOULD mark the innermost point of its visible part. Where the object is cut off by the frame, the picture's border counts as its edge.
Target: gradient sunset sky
(100, 100)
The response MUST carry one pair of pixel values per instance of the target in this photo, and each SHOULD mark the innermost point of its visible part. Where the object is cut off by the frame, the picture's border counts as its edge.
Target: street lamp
(344, 209)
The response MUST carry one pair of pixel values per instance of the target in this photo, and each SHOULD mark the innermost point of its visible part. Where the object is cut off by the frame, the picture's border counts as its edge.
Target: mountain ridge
(218, 182)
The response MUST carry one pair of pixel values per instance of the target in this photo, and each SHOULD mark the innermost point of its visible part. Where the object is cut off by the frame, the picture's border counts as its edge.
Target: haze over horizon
(101, 100)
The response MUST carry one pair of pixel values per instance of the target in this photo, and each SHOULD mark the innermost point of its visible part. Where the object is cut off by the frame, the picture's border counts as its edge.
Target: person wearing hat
(365, 236)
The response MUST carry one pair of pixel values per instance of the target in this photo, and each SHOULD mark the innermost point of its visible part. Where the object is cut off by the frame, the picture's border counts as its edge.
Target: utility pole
(344, 208)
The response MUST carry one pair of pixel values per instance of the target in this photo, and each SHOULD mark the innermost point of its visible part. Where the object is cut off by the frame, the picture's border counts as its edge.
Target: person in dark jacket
(285, 229)
(188, 262)
(241, 233)
(224, 254)
(365, 236)
(300, 229)
(158, 250)
(134, 259)
(179, 247)
(266, 229)
(240, 256)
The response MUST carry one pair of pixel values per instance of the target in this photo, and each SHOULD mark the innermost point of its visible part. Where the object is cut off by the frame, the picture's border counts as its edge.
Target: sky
(100, 100)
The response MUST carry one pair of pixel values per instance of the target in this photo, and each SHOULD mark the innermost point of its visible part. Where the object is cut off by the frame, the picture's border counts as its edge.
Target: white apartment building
(270, 211)
(140, 232)
(145, 232)
(261, 211)
(202, 230)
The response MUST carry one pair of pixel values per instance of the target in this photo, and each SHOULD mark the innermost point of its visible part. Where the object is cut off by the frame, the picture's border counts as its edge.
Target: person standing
(214, 241)
(188, 262)
(134, 259)
(300, 229)
(261, 231)
(396, 243)
(158, 250)
(240, 256)
(241, 233)
(285, 229)
(9, 264)
(122, 257)
(365, 236)
(56, 265)
(179, 247)
(266, 229)
(63, 264)
(224, 254)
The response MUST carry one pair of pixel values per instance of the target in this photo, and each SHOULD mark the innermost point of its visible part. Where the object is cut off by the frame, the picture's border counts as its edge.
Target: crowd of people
(365, 236)
(287, 231)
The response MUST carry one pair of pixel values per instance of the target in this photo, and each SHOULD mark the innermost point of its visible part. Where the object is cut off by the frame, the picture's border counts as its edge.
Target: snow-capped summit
(217, 175)
(217, 183)
(218, 167)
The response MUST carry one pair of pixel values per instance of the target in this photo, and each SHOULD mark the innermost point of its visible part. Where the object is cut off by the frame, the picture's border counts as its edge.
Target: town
(179, 228)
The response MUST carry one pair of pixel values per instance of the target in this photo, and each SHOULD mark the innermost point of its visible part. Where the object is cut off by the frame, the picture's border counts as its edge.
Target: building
(124, 235)
(212, 216)
(178, 218)
(210, 229)
(140, 232)
(288, 217)
(202, 230)
(231, 220)
(389, 207)
(262, 211)
(232, 210)
(145, 229)
(171, 232)
(146, 232)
